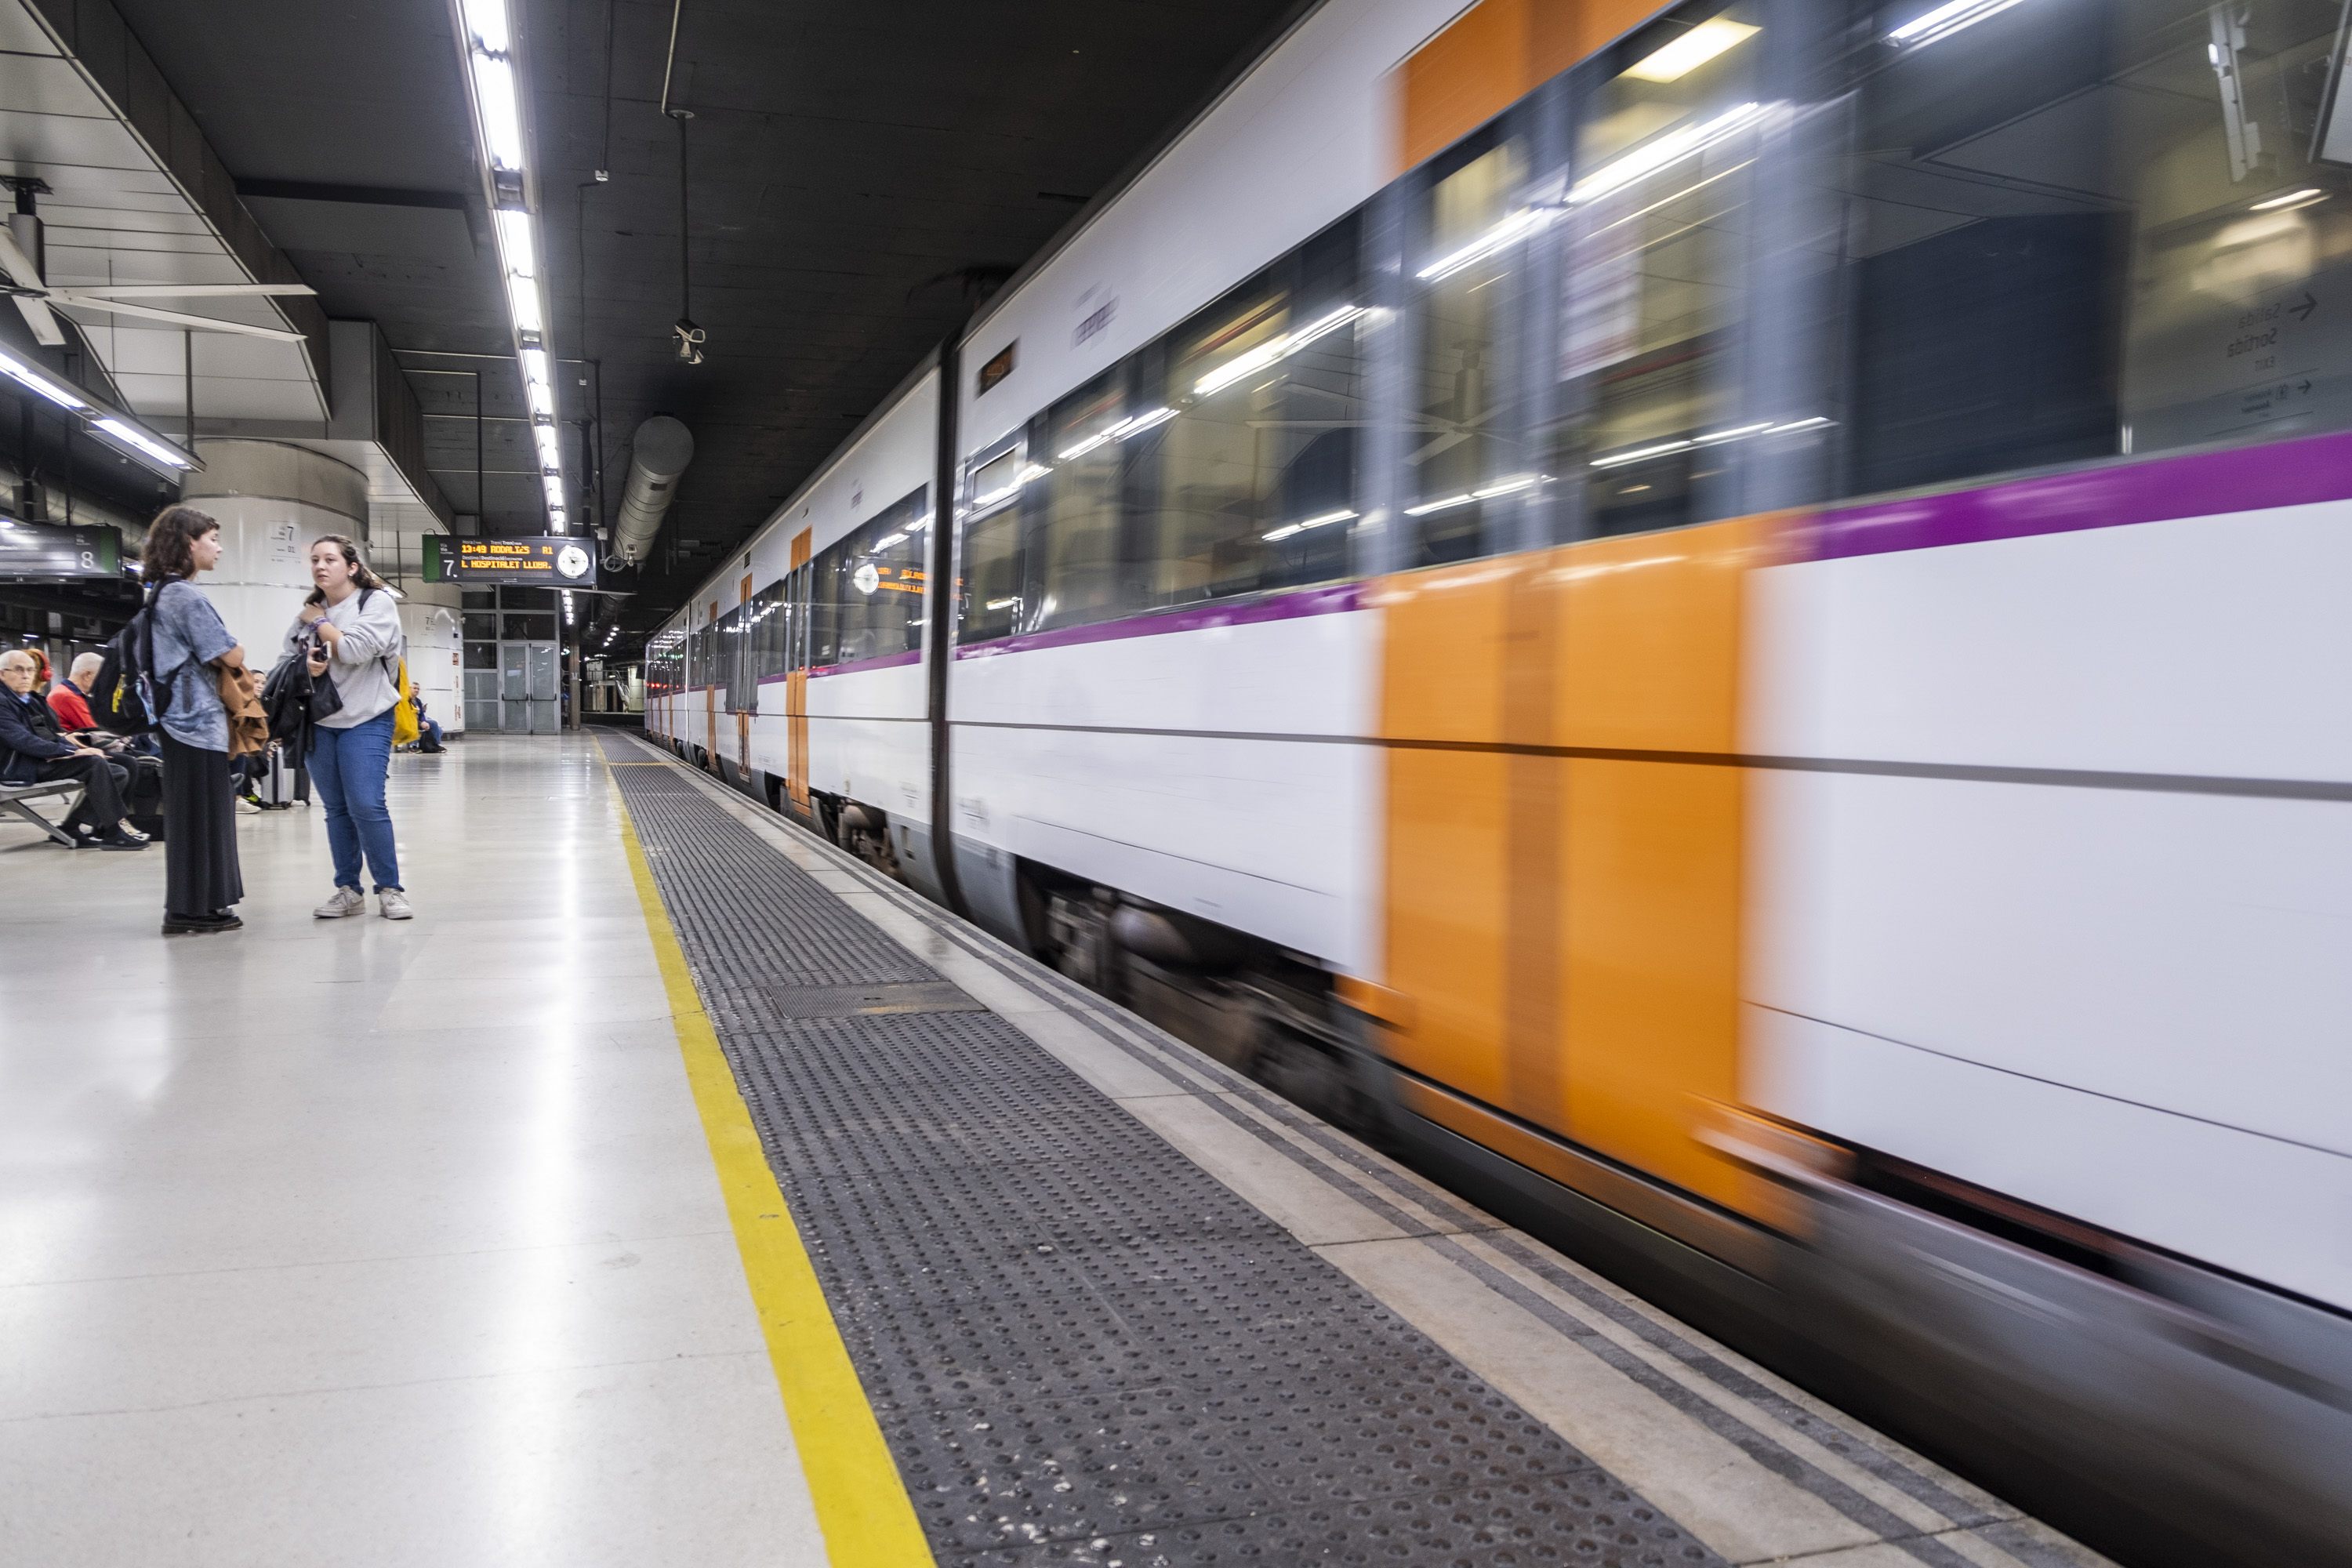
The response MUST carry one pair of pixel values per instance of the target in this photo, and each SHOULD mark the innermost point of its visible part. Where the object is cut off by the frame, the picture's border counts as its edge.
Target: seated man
(70, 698)
(33, 750)
(70, 705)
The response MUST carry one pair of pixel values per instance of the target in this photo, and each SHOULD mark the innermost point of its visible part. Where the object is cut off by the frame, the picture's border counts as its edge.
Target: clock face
(868, 577)
(572, 562)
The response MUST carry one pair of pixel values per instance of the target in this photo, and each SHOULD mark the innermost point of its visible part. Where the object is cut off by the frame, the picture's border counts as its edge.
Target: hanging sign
(48, 551)
(546, 560)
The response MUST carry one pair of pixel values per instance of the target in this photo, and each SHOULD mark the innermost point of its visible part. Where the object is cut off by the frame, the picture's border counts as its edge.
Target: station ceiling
(855, 174)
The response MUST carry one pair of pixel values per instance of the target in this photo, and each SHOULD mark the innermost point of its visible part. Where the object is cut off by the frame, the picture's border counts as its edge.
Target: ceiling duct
(659, 453)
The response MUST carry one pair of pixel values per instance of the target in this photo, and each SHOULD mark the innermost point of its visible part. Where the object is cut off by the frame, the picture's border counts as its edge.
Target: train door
(743, 690)
(711, 680)
(797, 593)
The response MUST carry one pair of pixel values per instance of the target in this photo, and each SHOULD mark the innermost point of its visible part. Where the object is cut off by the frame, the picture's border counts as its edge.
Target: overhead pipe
(659, 453)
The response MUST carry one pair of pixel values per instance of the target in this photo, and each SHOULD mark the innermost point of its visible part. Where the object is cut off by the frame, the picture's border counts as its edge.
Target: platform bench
(13, 799)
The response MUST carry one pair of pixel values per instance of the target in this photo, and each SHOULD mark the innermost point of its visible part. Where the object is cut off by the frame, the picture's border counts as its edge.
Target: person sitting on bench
(33, 750)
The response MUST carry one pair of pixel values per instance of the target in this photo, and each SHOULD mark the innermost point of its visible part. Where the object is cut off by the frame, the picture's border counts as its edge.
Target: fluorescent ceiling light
(1304, 523)
(888, 540)
(551, 450)
(1443, 503)
(1660, 152)
(55, 391)
(1273, 350)
(1510, 486)
(515, 243)
(1944, 21)
(494, 94)
(542, 399)
(552, 484)
(1710, 438)
(1508, 232)
(1119, 432)
(555, 517)
(486, 24)
(2291, 199)
(132, 436)
(523, 300)
(1691, 50)
(534, 367)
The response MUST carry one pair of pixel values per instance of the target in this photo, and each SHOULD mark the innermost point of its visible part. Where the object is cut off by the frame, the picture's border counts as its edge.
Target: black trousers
(200, 871)
(102, 789)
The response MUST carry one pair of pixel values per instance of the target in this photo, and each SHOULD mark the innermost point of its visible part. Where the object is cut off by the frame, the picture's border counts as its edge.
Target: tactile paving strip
(1081, 1347)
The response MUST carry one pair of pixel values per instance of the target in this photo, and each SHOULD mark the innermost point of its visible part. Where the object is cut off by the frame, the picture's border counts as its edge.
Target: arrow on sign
(2302, 311)
(2305, 387)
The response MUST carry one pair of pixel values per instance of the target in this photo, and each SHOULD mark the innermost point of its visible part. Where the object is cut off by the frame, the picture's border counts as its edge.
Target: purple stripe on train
(1328, 601)
(2197, 484)
(880, 661)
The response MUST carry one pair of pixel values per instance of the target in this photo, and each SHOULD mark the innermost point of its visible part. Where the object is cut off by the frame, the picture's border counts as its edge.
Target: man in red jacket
(69, 697)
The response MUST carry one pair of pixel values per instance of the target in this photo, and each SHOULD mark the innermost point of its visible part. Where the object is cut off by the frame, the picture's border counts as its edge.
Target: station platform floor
(675, 1189)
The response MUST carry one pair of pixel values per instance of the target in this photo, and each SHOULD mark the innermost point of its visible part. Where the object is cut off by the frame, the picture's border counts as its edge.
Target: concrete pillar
(434, 652)
(272, 500)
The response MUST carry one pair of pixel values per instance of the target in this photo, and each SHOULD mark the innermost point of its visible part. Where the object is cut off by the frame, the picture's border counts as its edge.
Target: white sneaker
(392, 904)
(246, 806)
(346, 901)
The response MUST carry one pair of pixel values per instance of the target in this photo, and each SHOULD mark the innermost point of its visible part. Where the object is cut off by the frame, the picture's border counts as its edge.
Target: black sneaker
(121, 837)
(200, 925)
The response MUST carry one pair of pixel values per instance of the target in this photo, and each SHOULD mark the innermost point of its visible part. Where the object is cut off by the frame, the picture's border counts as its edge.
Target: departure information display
(50, 550)
(546, 560)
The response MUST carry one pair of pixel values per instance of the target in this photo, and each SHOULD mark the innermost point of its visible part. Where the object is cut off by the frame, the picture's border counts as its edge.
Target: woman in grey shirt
(200, 878)
(350, 628)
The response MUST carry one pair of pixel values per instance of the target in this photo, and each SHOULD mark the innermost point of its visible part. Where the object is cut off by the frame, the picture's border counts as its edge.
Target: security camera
(690, 340)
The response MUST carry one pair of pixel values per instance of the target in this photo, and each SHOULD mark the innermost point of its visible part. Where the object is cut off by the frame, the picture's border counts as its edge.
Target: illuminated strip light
(1119, 432)
(1273, 351)
(1944, 21)
(1712, 438)
(1665, 151)
(2302, 198)
(1511, 486)
(487, 33)
(1303, 524)
(141, 443)
(1508, 233)
(1030, 471)
(57, 393)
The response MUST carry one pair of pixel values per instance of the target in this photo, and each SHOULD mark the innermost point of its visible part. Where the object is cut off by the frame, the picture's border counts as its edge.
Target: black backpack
(126, 701)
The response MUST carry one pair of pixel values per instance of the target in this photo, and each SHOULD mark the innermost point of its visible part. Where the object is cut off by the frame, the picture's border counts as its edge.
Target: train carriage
(1732, 623)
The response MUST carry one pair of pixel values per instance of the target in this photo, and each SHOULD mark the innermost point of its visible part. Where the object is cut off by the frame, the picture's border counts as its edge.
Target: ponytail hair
(360, 572)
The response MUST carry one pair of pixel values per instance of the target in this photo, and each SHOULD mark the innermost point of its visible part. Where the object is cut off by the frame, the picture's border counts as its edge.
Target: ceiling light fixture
(1272, 350)
(493, 71)
(1703, 43)
(159, 454)
(1662, 152)
(55, 391)
(1944, 21)
(2303, 197)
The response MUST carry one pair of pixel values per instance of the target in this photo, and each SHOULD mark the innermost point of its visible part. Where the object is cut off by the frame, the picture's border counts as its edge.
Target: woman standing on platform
(201, 879)
(350, 627)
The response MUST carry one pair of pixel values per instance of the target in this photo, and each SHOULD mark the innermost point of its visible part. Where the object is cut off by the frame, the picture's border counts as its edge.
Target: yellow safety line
(861, 1502)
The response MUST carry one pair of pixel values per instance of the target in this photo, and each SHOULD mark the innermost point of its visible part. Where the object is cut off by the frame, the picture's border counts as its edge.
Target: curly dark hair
(169, 553)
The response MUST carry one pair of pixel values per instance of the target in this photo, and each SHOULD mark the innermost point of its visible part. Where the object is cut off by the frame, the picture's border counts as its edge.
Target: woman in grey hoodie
(350, 628)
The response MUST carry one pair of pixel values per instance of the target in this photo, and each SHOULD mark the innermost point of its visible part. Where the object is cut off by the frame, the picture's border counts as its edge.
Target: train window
(1083, 565)
(736, 671)
(874, 582)
(993, 596)
(768, 632)
(1248, 449)
(1465, 455)
(1652, 302)
(2085, 229)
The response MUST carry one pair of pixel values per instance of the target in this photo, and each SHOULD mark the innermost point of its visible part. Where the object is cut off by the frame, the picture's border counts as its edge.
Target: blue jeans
(349, 767)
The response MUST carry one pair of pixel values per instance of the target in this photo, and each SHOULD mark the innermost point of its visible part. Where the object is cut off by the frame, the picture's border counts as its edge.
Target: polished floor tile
(372, 1242)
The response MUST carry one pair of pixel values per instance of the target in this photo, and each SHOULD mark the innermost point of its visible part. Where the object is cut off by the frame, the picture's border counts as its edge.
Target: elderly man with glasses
(33, 751)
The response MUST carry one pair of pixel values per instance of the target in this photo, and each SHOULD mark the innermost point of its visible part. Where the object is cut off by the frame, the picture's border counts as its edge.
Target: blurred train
(1735, 627)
